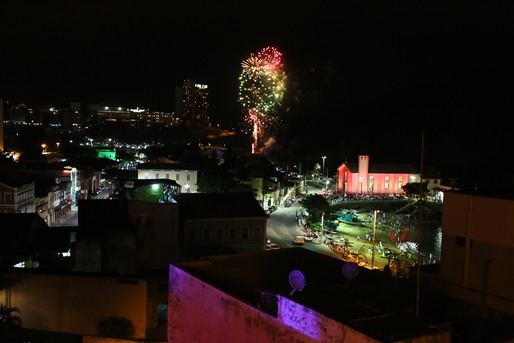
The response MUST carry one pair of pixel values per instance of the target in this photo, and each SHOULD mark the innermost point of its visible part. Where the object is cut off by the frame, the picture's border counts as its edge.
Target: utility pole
(373, 240)
(420, 221)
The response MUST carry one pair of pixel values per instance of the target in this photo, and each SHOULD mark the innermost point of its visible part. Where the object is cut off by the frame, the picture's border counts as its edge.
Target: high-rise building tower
(192, 103)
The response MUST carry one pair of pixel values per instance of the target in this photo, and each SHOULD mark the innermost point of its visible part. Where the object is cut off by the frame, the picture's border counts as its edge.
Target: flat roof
(373, 302)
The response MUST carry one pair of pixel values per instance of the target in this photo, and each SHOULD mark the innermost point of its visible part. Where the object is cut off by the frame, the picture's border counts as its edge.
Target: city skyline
(364, 78)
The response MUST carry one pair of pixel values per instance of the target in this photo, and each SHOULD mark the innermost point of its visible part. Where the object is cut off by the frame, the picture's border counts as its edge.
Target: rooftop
(371, 302)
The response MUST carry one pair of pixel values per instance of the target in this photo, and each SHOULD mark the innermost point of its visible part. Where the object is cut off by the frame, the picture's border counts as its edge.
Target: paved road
(69, 219)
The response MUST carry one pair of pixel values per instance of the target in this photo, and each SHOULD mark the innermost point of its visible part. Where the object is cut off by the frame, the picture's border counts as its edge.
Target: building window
(206, 234)
(167, 175)
(257, 232)
(233, 232)
(461, 241)
(144, 219)
(157, 176)
(219, 233)
(177, 177)
(244, 233)
(188, 177)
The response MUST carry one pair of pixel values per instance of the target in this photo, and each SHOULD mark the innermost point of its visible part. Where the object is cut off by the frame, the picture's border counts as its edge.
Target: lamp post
(323, 169)
(373, 239)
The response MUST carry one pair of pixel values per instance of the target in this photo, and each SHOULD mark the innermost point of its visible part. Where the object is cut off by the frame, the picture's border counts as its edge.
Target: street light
(373, 240)
(323, 170)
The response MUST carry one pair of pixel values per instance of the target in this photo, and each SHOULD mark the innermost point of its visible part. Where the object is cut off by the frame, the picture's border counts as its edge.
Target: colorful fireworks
(262, 87)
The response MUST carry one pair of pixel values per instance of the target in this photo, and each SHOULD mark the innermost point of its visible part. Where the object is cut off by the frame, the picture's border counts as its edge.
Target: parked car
(272, 246)
(299, 240)
(310, 236)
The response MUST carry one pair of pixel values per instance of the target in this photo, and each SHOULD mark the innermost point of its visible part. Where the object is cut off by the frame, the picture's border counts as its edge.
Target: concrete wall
(92, 339)
(198, 312)
(478, 249)
(157, 227)
(76, 304)
(481, 218)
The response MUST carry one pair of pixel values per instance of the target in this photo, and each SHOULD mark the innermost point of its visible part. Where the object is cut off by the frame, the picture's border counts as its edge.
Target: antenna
(420, 222)
(296, 280)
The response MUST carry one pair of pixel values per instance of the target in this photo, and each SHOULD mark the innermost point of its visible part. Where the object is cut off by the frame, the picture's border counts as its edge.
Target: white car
(310, 237)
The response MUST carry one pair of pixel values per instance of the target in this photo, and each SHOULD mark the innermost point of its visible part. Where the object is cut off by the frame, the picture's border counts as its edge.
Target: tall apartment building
(19, 114)
(192, 103)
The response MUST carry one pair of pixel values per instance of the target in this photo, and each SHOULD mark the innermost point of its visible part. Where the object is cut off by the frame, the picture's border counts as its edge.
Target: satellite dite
(296, 280)
(350, 270)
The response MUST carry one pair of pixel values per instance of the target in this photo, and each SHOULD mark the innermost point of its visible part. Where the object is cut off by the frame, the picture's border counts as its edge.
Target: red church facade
(363, 178)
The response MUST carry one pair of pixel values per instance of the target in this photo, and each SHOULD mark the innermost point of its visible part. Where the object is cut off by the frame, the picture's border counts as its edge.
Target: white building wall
(187, 178)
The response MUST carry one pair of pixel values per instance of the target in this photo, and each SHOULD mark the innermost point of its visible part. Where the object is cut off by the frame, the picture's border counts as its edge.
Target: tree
(214, 178)
(316, 169)
(317, 207)
(412, 188)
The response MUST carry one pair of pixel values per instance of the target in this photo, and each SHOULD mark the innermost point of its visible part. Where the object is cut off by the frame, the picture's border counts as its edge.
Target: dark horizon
(362, 78)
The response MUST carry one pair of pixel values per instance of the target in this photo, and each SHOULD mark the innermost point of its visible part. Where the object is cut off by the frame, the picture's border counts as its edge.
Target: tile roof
(219, 205)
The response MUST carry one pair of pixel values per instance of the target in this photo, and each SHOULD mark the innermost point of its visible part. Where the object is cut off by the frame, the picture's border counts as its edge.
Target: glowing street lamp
(43, 146)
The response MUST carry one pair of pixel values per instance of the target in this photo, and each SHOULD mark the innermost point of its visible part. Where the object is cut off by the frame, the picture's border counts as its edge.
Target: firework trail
(262, 87)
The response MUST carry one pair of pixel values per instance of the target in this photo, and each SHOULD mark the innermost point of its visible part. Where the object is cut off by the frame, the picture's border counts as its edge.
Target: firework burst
(262, 87)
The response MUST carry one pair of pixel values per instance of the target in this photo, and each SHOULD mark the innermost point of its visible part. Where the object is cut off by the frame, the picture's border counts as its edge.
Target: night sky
(364, 77)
